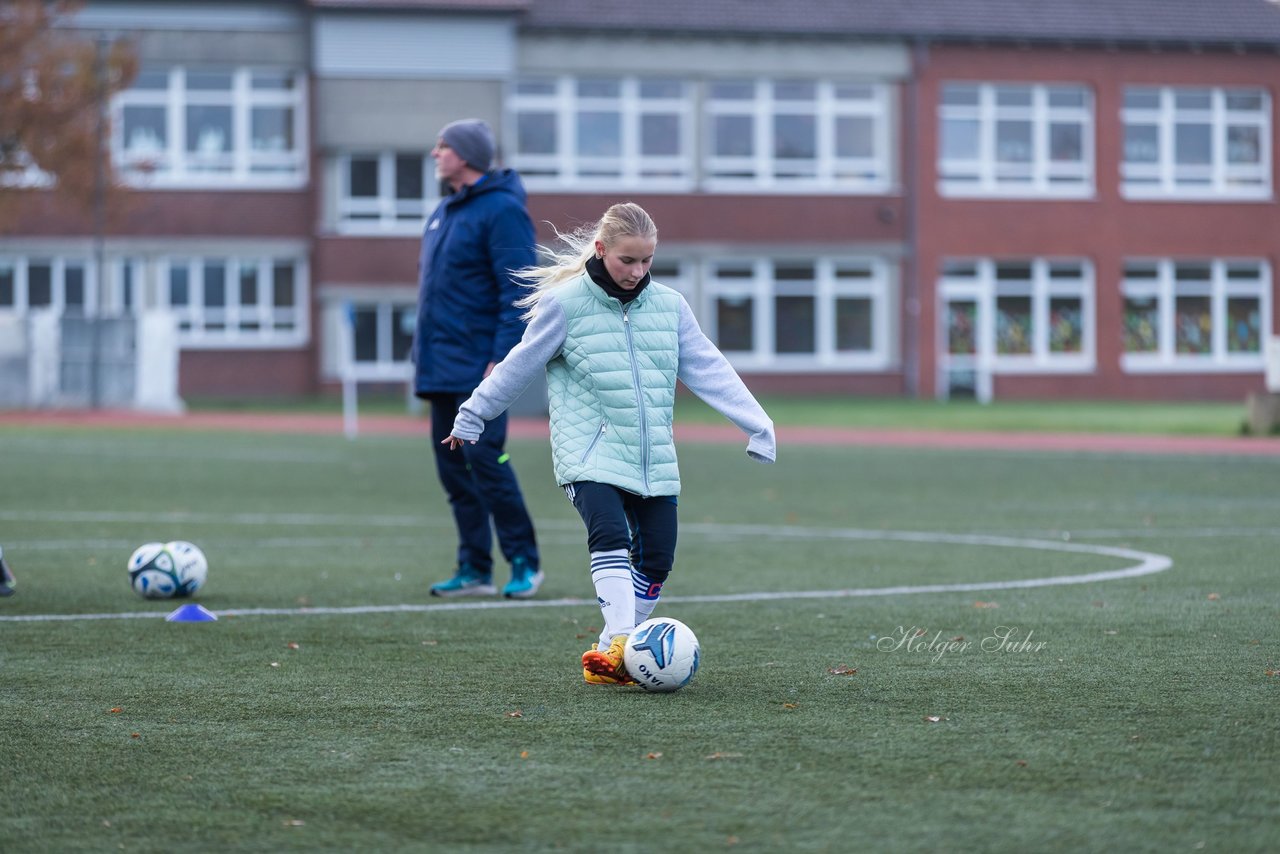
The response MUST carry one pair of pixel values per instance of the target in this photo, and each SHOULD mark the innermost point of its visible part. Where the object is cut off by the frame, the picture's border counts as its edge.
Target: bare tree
(55, 83)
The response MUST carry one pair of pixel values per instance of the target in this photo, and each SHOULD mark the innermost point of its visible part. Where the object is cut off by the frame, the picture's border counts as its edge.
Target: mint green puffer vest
(612, 389)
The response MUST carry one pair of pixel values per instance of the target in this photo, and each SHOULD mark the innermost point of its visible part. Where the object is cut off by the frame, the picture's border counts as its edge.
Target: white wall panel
(419, 46)
(404, 115)
(231, 16)
(712, 57)
(240, 47)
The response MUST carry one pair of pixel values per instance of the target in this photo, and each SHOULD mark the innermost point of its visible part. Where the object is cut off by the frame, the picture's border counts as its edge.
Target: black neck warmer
(599, 275)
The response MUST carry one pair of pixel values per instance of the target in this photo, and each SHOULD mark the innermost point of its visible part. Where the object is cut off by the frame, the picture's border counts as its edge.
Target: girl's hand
(453, 442)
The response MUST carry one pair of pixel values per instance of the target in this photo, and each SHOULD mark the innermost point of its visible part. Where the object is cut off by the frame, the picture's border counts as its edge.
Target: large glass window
(961, 333)
(1195, 314)
(799, 314)
(733, 288)
(388, 191)
(39, 283)
(1015, 139)
(237, 301)
(75, 292)
(212, 127)
(35, 283)
(812, 134)
(217, 301)
(8, 284)
(369, 334)
(124, 291)
(1196, 142)
(593, 132)
(383, 333)
(1017, 315)
(1015, 325)
(961, 322)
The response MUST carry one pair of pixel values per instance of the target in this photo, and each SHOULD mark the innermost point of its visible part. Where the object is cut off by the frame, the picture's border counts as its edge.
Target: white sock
(647, 593)
(611, 575)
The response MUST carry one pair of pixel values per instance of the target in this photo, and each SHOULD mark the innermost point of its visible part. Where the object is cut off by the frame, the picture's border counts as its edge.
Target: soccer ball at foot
(167, 570)
(662, 654)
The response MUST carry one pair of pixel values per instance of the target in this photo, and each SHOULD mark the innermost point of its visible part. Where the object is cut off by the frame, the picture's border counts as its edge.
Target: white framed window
(1195, 315)
(1016, 316)
(385, 192)
(811, 135)
(236, 302)
(9, 291)
(382, 334)
(212, 127)
(1196, 143)
(64, 285)
(123, 291)
(677, 274)
(367, 333)
(1008, 139)
(777, 314)
(597, 132)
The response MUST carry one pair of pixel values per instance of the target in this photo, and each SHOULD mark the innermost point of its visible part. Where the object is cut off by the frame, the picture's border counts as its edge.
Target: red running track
(531, 428)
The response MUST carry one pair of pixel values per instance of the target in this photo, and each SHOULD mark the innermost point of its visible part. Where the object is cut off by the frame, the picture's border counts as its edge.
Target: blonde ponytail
(626, 219)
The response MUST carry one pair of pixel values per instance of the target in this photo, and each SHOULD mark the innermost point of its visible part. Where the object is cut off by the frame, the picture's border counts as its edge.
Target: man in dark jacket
(467, 321)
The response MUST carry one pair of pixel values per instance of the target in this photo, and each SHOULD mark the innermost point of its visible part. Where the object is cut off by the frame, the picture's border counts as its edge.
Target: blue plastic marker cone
(192, 613)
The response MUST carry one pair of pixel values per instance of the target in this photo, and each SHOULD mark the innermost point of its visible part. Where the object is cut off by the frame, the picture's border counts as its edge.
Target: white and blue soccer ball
(662, 654)
(172, 570)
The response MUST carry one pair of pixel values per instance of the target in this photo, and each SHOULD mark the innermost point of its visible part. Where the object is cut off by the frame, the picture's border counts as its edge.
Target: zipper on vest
(635, 382)
(595, 440)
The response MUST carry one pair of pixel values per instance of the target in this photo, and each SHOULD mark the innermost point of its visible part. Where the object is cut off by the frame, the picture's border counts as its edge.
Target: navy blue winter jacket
(473, 241)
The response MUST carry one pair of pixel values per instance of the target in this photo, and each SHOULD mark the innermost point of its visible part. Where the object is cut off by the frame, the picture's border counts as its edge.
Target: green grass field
(1134, 714)
(1193, 418)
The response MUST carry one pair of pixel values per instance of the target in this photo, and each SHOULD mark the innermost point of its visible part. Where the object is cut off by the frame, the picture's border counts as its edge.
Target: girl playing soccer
(613, 342)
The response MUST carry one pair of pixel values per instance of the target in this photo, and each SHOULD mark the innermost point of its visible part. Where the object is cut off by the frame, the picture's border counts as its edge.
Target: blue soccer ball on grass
(662, 654)
(173, 570)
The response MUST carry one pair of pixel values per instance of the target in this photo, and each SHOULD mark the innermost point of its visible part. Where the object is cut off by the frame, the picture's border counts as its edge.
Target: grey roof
(1243, 22)
(1168, 22)
(426, 5)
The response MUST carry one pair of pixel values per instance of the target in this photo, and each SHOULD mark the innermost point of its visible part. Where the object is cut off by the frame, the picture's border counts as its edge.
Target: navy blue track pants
(481, 486)
(617, 519)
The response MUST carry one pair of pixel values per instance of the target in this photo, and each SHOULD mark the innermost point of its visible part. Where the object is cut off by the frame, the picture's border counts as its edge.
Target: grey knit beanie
(473, 141)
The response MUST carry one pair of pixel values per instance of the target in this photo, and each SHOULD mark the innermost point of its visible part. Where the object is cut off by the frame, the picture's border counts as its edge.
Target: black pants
(481, 485)
(617, 519)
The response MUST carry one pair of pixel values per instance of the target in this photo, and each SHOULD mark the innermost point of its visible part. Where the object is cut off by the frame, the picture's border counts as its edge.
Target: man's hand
(454, 442)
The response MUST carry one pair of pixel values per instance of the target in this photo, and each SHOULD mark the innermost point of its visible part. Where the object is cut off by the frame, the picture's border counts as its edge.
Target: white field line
(1145, 563)
(334, 520)
(568, 537)
(322, 520)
